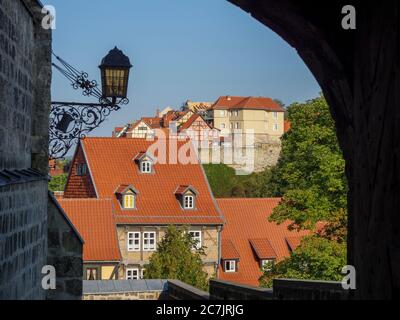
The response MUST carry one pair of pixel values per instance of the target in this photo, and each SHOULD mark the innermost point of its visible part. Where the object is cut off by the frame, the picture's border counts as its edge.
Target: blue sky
(180, 49)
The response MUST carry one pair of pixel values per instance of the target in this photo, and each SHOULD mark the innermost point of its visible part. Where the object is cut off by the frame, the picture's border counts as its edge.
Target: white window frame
(275, 115)
(197, 237)
(129, 274)
(142, 273)
(81, 169)
(237, 125)
(134, 237)
(230, 263)
(149, 247)
(235, 113)
(276, 127)
(188, 204)
(265, 262)
(223, 113)
(146, 166)
(133, 201)
(223, 126)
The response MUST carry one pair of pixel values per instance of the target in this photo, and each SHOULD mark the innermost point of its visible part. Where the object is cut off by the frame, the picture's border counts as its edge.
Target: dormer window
(267, 264)
(230, 265)
(126, 196)
(129, 201)
(186, 195)
(145, 167)
(145, 162)
(188, 202)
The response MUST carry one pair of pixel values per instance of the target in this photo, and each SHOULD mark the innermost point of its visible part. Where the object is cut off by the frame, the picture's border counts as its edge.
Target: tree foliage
(226, 184)
(58, 183)
(317, 258)
(310, 173)
(176, 259)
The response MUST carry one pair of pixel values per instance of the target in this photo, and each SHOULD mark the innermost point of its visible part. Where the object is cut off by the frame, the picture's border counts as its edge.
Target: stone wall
(225, 290)
(25, 77)
(23, 239)
(125, 290)
(287, 289)
(260, 153)
(65, 247)
(178, 290)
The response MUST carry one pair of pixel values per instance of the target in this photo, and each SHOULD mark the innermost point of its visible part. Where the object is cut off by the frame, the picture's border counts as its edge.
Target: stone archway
(359, 73)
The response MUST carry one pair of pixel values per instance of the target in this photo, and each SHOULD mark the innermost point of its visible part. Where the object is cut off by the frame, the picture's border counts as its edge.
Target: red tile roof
(287, 126)
(246, 223)
(293, 242)
(93, 218)
(191, 120)
(182, 189)
(253, 103)
(263, 248)
(111, 164)
(228, 250)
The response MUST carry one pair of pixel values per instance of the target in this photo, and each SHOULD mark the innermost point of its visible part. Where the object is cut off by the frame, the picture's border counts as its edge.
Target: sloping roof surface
(253, 103)
(111, 164)
(93, 218)
(247, 223)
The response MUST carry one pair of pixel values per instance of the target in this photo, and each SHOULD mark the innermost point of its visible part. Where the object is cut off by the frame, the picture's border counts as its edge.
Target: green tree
(58, 183)
(317, 258)
(176, 259)
(310, 173)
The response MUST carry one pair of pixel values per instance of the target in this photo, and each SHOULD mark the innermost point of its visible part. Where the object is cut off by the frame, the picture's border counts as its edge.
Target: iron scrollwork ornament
(71, 121)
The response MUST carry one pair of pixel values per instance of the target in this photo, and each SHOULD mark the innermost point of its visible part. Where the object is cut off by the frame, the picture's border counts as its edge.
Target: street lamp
(115, 68)
(72, 121)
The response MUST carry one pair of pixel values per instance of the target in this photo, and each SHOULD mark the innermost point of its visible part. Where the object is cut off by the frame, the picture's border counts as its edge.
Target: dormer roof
(182, 190)
(142, 155)
(124, 188)
(263, 248)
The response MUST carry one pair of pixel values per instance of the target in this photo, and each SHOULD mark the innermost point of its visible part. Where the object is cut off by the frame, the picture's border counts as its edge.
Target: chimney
(228, 98)
(158, 113)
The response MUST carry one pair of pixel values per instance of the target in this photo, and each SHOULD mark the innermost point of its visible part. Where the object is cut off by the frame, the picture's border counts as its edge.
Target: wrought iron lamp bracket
(72, 121)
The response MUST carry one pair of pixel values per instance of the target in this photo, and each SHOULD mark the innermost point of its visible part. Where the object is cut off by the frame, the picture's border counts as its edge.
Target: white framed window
(145, 167)
(275, 115)
(129, 201)
(222, 125)
(142, 271)
(188, 202)
(275, 127)
(81, 169)
(196, 235)
(231, 125)
(223, 113)
(149, 241)
(235, 113)
(237, 125)
(230, 265)
(133, 241)
(267, 264)
(132, 274)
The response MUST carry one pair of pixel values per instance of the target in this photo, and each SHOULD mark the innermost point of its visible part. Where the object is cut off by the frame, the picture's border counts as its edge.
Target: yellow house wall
(106, 272)
(261, 121)
(138, 259)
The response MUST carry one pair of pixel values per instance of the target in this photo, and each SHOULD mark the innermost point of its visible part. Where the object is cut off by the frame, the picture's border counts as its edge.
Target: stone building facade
(25, 80)
(25, 77)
